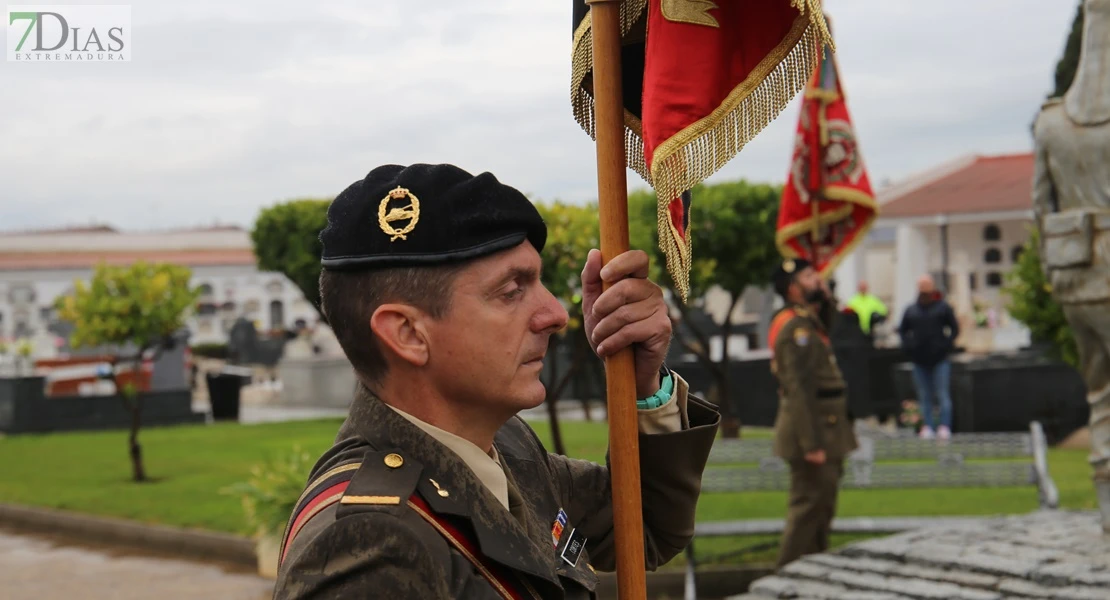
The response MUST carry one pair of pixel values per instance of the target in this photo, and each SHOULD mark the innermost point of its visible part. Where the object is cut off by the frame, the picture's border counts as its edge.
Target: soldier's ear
(399, 328)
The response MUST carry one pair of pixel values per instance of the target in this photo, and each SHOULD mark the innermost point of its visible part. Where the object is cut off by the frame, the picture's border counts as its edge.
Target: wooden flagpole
(620, 376)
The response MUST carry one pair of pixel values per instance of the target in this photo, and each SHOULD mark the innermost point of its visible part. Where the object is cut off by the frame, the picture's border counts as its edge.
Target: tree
(1069, 62)
(571, 232)
(286, 239)
(136, 307)
(733, 239)
(1031, 303)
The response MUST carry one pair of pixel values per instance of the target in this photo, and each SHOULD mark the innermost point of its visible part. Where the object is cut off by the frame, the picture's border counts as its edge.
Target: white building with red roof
(963, 222)
(38, 266)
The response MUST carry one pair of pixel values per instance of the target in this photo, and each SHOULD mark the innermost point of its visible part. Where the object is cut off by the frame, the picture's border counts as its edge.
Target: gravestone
(44, 344)
(315, 373)
(324, 341)
(297, 348)
(168, 372)
(242, 341)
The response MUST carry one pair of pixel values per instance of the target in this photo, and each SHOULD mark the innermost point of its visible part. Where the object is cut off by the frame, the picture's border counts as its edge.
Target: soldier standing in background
(812, 430)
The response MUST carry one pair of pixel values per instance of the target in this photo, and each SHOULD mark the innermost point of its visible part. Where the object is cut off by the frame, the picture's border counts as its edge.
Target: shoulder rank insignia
(801, 336)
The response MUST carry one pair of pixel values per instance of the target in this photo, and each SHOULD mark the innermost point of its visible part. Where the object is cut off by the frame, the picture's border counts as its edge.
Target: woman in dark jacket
(929, 330)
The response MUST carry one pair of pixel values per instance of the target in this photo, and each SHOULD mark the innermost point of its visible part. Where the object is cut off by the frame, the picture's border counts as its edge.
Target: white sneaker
(927, 433)
(943, 432)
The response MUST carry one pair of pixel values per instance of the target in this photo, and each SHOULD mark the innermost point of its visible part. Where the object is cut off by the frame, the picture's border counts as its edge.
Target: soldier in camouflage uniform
(435, 488)
(812, 429)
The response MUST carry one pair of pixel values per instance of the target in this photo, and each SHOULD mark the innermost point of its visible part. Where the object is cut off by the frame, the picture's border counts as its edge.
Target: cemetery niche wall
(68, 394)
(1004, 392)
(990, 393)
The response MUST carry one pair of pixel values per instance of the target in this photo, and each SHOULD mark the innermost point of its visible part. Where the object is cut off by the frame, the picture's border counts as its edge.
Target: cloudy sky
(228, 107)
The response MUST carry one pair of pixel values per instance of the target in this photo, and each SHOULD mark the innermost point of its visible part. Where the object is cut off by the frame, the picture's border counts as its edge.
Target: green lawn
(89, 472)
(1069, 469)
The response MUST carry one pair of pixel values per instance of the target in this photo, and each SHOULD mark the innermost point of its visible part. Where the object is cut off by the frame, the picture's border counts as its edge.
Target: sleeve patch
(801, 336)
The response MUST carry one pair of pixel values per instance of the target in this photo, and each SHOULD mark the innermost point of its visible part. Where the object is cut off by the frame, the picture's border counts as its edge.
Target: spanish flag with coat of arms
(701, 79)
(827, 204)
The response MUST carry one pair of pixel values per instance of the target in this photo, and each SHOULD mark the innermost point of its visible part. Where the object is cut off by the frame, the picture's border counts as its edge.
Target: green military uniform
(812, 415)
(373, 542)
(400, 509)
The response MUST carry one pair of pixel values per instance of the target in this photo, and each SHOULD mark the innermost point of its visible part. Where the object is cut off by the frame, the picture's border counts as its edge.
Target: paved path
(34, 568)
(1059, 555)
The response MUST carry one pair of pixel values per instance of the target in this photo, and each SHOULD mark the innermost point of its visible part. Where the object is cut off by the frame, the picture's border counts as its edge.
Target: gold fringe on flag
(581, 98)
(698, 151)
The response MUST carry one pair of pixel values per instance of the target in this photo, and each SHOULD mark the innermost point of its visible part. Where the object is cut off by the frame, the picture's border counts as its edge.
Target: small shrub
(1031, 303)
(270, 494)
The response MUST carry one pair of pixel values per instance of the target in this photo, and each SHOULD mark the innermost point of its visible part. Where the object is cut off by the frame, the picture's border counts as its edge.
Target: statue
(1071, 198)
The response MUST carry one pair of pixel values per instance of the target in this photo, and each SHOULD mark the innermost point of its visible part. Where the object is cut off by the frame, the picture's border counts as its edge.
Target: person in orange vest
(813, 432)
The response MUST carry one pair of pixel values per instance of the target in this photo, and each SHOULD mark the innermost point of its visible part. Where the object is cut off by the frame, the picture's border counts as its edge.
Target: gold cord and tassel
(817, 18)
(704, 147)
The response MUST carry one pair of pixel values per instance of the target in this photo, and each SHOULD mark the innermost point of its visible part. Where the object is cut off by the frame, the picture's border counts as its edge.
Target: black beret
(785, 272)
(426, 215)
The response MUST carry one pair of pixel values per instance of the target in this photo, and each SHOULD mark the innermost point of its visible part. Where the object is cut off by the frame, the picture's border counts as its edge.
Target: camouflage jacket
(370, 545)
(813, 397)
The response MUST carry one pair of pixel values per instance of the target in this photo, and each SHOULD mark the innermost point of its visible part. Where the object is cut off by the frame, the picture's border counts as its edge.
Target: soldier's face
(810, 288)
(488, 350)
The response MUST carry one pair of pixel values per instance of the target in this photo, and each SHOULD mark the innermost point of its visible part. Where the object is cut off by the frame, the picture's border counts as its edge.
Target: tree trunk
(581, 346)
(595, 370)
(137, 471)
(132, 400)
(719, 394)
(552, 412)
(556, 390)
(730, 424)
(702, 352)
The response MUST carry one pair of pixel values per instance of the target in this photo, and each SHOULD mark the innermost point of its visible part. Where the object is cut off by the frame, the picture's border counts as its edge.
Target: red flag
(827, 205)
(701, 79)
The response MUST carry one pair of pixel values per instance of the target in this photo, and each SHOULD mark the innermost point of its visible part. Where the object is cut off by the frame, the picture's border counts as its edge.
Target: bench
(748, 465)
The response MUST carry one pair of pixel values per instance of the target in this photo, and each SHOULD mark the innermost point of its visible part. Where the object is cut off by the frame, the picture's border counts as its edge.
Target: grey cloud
(216, 50)
(218, 47)
(231, 107)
